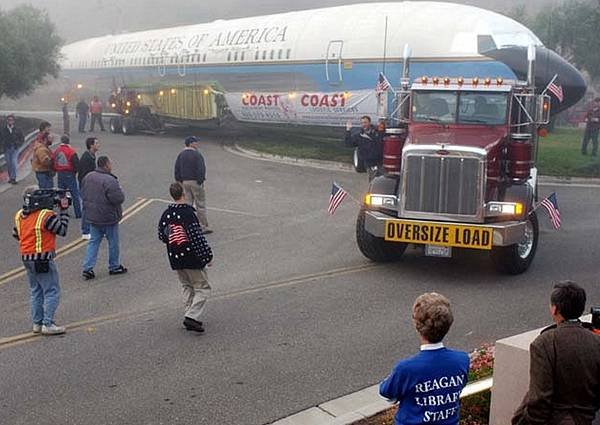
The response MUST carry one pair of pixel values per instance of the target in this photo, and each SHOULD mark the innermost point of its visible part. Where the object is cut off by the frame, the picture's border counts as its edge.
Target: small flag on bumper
(337, 196)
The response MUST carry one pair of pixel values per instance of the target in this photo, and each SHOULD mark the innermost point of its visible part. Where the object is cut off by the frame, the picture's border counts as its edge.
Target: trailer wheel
(115, 125)
(127, 126)
(359, 165)
(374, 248)
(516, 259)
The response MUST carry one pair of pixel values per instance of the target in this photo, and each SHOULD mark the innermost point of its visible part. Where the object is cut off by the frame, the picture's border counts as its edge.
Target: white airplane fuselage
(313, 67)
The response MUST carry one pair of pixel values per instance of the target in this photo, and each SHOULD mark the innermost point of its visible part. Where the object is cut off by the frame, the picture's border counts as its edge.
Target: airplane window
(228, 56)
(264, 56)
(288, 53)
(280, 54)
(242, 56)
(256, 55)
(235, 56)
(272, 55)
(204, 58)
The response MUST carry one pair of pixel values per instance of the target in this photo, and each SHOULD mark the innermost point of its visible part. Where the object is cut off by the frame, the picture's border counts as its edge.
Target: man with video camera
(36, 228)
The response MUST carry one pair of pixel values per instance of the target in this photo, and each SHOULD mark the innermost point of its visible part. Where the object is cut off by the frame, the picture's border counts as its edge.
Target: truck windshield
(448, 107)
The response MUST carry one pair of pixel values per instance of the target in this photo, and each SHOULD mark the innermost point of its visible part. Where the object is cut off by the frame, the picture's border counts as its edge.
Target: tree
(29, 50)
(571, 29)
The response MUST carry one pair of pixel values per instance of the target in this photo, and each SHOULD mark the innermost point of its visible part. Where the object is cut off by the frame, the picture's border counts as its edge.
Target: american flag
(337, 196)
(177, 235)
(551, 206)
(382, 84)
(557, 91)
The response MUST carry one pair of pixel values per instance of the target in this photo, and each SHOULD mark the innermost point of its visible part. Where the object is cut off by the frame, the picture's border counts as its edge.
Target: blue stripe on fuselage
(361, 76)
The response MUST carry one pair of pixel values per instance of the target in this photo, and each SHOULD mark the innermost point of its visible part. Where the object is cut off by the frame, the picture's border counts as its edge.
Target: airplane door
(333, 62)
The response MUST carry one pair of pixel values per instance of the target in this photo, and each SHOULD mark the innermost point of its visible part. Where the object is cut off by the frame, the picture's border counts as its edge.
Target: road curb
(341, 166)
(359, 405)
(300, 162)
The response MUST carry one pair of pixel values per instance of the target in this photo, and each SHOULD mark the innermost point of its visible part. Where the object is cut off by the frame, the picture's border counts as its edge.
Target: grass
(559, 152)
(560, 155)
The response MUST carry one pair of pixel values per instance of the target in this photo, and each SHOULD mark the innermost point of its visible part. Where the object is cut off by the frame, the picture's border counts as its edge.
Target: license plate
(438, 251)
(441, 234)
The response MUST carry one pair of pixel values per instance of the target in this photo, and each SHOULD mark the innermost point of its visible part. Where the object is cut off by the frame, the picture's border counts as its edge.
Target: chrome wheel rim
(526, 246)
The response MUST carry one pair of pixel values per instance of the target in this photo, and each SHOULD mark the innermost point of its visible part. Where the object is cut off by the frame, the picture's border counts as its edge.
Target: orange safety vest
(33, 236)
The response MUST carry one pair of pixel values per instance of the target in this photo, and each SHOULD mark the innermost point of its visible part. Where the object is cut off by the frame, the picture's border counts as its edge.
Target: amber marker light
(435, 80)
(446, 81)
(292, 95)
(460, 81)
(487, 81)
(499, 81)
(475, 81)
(173, 91)
(424, 80)
(543, 132)
(205, 92)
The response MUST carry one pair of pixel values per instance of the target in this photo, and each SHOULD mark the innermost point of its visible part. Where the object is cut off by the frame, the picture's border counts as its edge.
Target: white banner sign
(306, 108)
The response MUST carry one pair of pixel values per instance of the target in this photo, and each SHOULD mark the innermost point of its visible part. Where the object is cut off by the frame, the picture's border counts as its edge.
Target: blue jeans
(82, 121)
(85, 225)
(67, 180)
(96, 234)
(45, 293)
(45, 179)
(11, 155)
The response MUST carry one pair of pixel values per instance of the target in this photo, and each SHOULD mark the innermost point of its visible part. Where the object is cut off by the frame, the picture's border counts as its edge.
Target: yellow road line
(9, 342)
(133, 209)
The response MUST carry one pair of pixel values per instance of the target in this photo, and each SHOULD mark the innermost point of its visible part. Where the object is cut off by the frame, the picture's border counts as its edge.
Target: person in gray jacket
(102, 200)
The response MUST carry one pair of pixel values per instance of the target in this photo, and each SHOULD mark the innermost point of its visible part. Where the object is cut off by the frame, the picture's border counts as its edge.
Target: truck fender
(523, 193)
(384, 185)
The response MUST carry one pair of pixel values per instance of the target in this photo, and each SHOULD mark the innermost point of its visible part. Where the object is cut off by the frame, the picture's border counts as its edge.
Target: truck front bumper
(505, 233)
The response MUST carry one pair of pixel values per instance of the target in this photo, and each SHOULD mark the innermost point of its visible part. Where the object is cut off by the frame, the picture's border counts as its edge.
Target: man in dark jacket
(189, 254)
(102, 200)
(82, 111)
(87, 164)
(11, 137)
(190, 171)
(369, 143)
(592, 128)
(564, 387)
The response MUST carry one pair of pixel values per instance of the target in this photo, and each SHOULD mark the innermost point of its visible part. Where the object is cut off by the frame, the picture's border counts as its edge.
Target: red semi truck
(459, 172)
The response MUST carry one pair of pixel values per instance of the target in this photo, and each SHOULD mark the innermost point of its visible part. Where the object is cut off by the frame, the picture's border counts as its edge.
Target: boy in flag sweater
(428, 385)
(189, 254)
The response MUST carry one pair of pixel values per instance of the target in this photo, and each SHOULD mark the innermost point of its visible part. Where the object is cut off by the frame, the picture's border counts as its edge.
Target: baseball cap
(190, 139)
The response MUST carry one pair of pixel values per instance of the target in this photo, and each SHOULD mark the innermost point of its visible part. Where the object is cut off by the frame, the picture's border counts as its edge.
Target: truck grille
(443, 186)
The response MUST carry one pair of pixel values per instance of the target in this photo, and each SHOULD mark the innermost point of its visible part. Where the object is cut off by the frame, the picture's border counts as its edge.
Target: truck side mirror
(543, 109)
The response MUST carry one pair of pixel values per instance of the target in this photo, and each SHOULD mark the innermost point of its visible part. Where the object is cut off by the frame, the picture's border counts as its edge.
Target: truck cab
(459, 173)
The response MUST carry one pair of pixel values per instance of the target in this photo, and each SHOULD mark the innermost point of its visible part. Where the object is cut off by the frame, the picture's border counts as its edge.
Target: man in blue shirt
(428, 385)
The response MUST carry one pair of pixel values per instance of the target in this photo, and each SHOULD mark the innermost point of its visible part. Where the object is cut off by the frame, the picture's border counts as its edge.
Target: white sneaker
(36, 328)
(53, 329)
(86, 236)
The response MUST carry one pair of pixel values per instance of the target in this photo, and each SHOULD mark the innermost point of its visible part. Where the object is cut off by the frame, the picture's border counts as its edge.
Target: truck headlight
(374, 200)
(494, 209)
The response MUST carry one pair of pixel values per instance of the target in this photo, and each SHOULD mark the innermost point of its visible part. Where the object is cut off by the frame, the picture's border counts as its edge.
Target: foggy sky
(80, 19)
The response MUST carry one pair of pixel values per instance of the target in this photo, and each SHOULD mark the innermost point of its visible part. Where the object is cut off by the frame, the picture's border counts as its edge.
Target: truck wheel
(374, 248)
(515, 259)
(115, 125)
(359, 165)
(127, 126)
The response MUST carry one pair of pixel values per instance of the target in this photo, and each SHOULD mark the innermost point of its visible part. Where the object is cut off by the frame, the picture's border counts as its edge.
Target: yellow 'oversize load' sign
(443, 234)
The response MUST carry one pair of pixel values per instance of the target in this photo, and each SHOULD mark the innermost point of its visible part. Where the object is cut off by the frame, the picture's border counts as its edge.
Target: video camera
(45, 199)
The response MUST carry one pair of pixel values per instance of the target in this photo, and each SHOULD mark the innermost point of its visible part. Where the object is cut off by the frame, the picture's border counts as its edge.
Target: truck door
(333, 62)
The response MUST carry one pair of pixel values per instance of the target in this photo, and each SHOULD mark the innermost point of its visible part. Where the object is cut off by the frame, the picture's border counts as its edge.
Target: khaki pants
(196, 291)
(196, 197)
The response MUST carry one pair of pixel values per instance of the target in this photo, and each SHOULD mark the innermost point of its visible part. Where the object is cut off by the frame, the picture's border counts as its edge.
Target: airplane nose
(548, 64)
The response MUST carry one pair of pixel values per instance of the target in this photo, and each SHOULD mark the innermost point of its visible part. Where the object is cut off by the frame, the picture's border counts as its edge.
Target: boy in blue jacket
(189, 254)
(428, 385)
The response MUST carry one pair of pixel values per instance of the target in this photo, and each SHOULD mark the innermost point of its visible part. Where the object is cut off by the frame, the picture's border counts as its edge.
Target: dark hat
(65, 139)
(190, 139)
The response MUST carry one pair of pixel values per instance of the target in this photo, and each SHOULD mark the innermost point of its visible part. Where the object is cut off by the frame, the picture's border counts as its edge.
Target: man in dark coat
(87, 164)
(564, 387)
(11, 137)
(592, 128)
(82, 111)
(102, 199)
(369, 142)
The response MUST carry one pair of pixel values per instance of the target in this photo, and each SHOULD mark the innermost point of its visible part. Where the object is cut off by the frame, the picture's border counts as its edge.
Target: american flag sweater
(180, 230)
